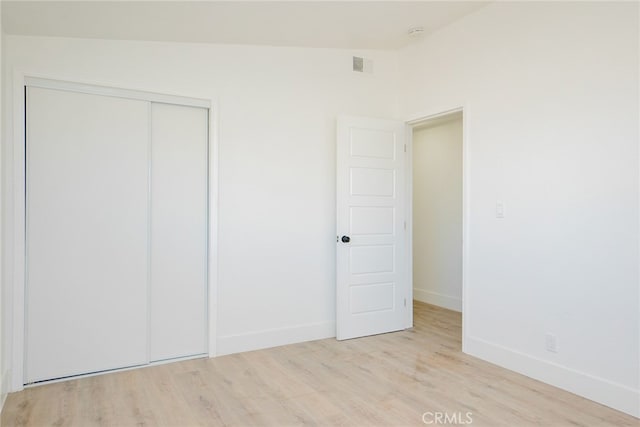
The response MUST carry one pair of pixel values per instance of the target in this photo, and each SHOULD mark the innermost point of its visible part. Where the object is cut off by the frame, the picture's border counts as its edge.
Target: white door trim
(115, 92)
(14, 316)
(414, 120)
(408, 189)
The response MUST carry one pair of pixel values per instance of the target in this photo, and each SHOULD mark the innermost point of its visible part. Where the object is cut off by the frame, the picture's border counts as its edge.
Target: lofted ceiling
(328, 24)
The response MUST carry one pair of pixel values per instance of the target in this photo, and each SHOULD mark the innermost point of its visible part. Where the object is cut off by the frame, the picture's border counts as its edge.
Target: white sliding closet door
(87, 164)
(178, 231)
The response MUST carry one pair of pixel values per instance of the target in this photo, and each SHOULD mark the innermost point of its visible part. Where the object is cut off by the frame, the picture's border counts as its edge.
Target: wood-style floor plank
(384, 380)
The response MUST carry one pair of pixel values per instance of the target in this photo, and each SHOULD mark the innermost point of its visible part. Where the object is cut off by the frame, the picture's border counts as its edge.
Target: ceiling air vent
(362, 65)
(358, 64)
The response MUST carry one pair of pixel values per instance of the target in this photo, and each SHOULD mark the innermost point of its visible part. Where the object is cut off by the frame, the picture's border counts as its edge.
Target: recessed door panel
(369, 299)
(367, 220)
(372, 182)
(373, 143)
(371, 259)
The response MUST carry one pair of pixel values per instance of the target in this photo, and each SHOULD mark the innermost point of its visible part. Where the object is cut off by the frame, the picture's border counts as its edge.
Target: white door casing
(372, 280)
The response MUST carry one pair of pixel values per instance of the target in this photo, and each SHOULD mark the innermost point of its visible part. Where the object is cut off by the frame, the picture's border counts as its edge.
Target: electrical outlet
(551, 343)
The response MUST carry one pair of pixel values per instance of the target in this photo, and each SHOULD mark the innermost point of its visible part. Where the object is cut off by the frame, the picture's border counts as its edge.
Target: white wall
(437, 213)
(277, 112)
(551, 91)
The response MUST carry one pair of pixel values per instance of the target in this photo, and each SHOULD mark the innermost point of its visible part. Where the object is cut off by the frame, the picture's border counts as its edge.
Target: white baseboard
(434, 298)
(275, 337)
(614, 395)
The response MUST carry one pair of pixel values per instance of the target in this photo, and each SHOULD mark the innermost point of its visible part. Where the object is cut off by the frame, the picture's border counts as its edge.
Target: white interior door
(87, 163)
(178, 231)
(372, 286)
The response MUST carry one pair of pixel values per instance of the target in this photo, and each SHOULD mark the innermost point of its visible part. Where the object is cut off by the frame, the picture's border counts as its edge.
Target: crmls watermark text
(457, 418)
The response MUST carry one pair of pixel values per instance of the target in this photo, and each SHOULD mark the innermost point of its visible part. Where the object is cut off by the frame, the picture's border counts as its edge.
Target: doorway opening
(401, 213)
(436, 193)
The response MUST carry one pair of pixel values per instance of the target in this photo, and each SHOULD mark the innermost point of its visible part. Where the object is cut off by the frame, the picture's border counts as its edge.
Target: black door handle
(345, 239)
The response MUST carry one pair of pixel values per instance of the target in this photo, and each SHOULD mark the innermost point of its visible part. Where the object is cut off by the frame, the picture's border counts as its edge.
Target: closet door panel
(178, 231)
(87, 162)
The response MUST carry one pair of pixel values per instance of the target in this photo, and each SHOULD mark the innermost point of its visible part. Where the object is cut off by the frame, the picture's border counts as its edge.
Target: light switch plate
(500, 209)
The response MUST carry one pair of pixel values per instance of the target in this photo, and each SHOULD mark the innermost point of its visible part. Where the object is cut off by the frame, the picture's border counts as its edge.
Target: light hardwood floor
(386, 380)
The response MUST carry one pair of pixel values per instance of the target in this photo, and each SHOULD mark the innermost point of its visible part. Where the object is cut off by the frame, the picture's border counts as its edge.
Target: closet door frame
(14, 298)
